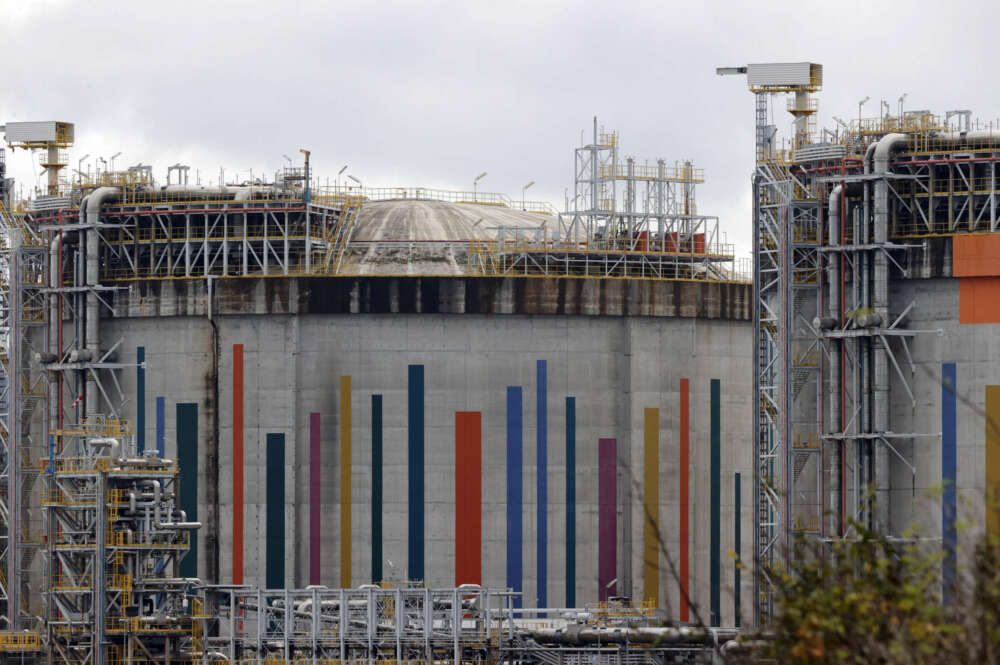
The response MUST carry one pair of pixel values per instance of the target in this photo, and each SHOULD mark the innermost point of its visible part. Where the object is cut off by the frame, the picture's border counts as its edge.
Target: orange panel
(979, 300)
(976, 255)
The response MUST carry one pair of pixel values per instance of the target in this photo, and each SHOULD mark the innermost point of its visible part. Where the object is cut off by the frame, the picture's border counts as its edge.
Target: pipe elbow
(884, 148)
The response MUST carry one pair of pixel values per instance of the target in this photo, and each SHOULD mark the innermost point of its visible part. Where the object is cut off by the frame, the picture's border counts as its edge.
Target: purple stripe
(314, 498)
(607, 517)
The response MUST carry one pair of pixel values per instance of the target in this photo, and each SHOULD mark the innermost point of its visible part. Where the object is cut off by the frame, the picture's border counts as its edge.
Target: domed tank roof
(423, 237)
(409, 219)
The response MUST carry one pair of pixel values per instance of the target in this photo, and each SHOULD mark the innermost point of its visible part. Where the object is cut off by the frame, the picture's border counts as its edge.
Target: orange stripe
(976, 255)
(237, 464)
(345, 482)
(468, 497)
(979, 299)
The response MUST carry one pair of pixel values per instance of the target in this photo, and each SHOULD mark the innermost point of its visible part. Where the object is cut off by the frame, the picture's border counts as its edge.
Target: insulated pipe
(835, 424)
(580, 634)
(93, 207)
(880, 302)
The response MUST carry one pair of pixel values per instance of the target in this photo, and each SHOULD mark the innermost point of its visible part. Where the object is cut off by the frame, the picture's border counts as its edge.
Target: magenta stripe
(607, 517)
(314, 498)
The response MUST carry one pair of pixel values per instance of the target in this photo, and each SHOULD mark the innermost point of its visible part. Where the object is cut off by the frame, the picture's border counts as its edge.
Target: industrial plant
(278, 421)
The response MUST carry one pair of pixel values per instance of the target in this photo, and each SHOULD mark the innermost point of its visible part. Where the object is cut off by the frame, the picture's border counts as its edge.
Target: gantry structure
(836, 219)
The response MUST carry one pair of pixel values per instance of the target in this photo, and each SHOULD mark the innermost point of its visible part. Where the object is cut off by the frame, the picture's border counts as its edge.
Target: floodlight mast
(776, 213)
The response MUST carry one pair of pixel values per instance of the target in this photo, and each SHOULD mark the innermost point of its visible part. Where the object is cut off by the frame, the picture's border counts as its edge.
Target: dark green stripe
(187, 458)
(376, 488)
(415, 431)
(715, 481)
(275, 512)
(140, 405)
(736, 540)
(570, 502)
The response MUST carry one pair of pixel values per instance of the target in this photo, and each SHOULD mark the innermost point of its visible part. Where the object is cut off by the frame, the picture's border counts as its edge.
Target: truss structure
(115, 537)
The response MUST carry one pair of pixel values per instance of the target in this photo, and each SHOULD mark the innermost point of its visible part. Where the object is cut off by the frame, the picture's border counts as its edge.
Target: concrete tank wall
(614, 366)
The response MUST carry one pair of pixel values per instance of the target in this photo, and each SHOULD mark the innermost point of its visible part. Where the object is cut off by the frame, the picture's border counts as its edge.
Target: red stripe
(684, 465)
(468, 497)
(237, 464)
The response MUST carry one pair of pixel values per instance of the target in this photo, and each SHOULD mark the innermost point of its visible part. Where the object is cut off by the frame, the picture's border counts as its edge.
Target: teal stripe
(376, 488)
(736, 541)
(415, 457)
(716, 491)
(187, 458)
(275, 512)
(570, 502)
(140, 405)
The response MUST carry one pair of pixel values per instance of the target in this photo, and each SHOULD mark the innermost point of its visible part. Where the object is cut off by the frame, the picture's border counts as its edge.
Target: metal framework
(115, 537)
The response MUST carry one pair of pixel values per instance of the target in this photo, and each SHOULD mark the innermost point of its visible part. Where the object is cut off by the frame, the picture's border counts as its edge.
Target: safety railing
(19, 641)
(677, 173)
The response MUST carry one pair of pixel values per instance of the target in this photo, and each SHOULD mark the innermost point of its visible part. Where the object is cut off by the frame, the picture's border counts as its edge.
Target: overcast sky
(433, 93)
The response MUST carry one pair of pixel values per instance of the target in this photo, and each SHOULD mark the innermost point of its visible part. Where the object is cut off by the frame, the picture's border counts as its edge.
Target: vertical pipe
(468, 497)
(161, 427)
(187, 460)
(836, 373)
(140, 402)
(541, 505)
(274, 552)
(570, 502)
(949, 476)
(376, 488)
(415, 433)
(992, 497)
(684, 464)
(315, 498)
(514, 491)
(607, 518)
(716, 499)
(238, 507)
(345, 482)
(651, 506)
(736, 548)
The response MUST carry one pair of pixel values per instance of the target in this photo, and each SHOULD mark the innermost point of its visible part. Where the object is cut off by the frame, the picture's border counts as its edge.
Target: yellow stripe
(651, 507)
(345, 482)
(993, 460)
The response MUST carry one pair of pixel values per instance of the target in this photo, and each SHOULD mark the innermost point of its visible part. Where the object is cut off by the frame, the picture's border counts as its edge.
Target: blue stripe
(542, 419)
(949, 384)
(161, 426)
(415, 432)
(514, 488)
(570, 502)
(140, 405)
(715, 487)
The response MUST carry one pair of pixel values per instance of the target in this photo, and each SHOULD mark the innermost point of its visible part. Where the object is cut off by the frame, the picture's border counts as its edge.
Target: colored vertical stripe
(715, 480)
(949, 475)
(161, 426)
(315, 499)
(140, 394)
(345, 482)
(187, 459)
(274, 551)
(542, 486)
(607, 518)
(376, 488)
(684, 464)
(993, 461)
(736, 547)
(514, 490)
(238, 464)
(468, 497)
(651, 506)
(570, 501)
(415, 434)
